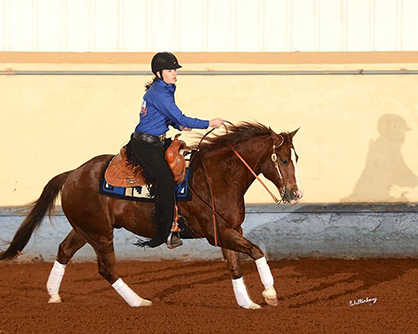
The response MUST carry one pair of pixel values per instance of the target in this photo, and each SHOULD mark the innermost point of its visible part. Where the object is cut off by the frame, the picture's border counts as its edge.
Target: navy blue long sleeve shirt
(159, 110)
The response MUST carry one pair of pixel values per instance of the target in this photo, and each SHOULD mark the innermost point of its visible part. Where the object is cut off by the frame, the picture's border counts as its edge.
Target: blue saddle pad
(142, 194)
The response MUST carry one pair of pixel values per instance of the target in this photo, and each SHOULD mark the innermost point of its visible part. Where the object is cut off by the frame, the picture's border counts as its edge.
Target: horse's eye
(285, 162)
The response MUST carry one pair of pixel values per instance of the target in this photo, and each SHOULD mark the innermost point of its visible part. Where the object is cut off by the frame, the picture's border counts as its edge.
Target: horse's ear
(278, 139)
(292, 134)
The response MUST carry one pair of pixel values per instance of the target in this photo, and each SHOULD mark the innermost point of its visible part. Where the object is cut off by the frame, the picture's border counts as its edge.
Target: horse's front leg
(240, 291)
(232, 242)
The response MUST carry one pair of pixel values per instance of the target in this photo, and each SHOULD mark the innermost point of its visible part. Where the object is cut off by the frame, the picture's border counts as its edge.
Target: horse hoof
(254, 306)
(271, 301)
(55, 299)
(145, 302)
(270, 296)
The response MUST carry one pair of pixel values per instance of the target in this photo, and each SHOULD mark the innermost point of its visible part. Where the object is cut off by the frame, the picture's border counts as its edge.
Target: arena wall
(357, 143)
(357, 114)
(345, 72)
(282, 232)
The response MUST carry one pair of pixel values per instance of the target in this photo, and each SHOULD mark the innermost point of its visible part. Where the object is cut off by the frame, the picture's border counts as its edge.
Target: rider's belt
(150, 139)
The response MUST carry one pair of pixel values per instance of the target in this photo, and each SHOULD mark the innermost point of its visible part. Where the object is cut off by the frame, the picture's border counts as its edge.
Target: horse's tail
(44, 204)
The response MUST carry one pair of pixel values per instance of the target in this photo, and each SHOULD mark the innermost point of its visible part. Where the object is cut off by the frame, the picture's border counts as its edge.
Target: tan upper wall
(353, 144)
(213, 57)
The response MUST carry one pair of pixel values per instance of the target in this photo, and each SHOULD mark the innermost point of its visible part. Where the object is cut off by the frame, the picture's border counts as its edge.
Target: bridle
(276, 166)
(273, 158)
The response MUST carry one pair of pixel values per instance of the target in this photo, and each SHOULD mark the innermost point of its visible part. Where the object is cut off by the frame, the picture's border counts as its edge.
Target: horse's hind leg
(71, 244)
(240, 291)
(106, 262)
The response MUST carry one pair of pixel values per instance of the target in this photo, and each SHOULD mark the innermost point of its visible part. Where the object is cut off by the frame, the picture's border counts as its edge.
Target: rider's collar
(171, 87)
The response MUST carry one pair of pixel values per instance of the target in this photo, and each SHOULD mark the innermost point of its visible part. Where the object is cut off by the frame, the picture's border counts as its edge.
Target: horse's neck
(234, 172)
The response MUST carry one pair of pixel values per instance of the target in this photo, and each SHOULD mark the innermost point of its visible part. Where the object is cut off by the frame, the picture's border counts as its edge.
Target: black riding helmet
(164, 61)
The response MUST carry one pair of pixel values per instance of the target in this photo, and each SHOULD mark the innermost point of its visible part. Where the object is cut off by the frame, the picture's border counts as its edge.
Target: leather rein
(212, 206)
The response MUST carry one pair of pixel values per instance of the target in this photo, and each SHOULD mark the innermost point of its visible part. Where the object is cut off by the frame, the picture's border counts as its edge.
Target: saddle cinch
(122, 172)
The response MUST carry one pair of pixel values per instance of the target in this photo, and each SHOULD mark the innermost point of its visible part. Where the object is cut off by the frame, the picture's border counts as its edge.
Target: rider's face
(169, 76)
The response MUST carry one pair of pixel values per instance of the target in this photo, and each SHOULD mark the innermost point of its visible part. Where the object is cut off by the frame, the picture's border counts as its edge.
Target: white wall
(208, 25)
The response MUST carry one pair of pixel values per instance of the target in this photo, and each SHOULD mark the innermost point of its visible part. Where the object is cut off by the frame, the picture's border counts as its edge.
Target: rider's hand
(216, 123)
(183, 128)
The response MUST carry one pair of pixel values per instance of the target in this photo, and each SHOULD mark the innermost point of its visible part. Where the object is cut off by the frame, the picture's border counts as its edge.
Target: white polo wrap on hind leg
(264, 272)
(127, 293)
(55, 278)
(241, 293)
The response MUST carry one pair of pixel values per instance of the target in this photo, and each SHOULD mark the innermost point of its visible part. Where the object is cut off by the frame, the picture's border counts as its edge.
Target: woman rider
(146, 146)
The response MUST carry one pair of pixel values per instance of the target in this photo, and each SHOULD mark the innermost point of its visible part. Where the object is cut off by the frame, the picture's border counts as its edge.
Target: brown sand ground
(197, 297)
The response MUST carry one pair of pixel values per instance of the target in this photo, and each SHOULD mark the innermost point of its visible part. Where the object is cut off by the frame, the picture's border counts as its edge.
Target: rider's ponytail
(149, 83)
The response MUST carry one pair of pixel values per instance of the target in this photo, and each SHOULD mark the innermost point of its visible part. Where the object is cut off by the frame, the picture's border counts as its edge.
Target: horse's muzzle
(294, 196)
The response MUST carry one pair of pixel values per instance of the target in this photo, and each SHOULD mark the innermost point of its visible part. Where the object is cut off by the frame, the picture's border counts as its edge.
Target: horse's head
(280, 167)
(270, 153)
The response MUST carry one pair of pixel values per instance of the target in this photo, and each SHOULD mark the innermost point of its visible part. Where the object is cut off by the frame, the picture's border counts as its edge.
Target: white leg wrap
(55, 278)
(127, 294)
(265, 273)
(241, 293)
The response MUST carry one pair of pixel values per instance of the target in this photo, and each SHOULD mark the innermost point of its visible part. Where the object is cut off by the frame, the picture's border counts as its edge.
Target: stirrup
(174, 240)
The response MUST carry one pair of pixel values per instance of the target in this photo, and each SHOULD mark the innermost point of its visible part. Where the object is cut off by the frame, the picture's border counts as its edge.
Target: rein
(212, 206)
(256, 176)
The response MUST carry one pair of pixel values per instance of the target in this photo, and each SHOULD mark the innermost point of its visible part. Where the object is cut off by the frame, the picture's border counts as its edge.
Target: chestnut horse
(218, 170)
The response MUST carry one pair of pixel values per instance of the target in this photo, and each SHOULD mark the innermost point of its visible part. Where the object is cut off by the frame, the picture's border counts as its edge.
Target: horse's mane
(235, 135)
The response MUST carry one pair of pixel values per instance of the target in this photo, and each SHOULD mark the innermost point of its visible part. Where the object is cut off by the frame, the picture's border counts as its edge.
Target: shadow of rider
(385, 167)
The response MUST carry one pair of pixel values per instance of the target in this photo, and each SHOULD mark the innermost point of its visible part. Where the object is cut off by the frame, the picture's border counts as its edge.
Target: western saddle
(122, 172)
